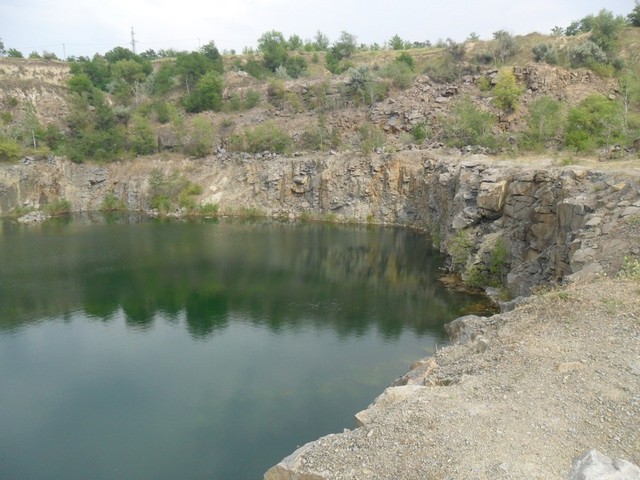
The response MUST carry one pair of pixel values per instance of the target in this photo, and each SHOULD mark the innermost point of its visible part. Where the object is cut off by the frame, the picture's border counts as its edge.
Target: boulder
(597, 466)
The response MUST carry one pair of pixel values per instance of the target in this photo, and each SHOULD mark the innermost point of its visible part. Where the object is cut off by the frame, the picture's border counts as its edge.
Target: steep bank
(546, 222)
(525, 394)
(532, 388)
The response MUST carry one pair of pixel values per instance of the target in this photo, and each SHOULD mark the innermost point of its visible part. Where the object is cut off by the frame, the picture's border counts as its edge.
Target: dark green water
(158, 350)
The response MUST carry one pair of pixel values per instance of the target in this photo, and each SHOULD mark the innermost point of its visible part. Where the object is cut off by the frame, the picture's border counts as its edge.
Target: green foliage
(459, 248)
(295, 65)
(319, 137)
(596, 122)
(634, 17)
(207, 94)
(80, 83)
(396, 43)
(130, 71)
(199, 142)
(320, 42)
(407, 59)
(167, 192)
(605, 28)
(587, 54)
(255, 68)
(362, 86)
(264, 137)
(419, 132)
(163, 79)
(371, 137)
(142, 138)
(345, 46)
(111, 203)
(455, 50)
(208, 210)
(10, 150)
(14, 53)
(251, 99)
(274, 49)
(545, 124)
(505, 46)
(545, 52)
(193, 66)
(276, 93)
(399, 73)
(507, 92)
(469, 125)
(57, 207)
(631, 268)
(210, 51)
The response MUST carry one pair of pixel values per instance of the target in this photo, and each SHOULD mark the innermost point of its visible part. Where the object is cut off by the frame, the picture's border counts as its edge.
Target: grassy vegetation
(117, 101)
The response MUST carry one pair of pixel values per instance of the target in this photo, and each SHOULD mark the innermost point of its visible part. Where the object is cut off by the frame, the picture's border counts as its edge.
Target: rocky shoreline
(518, 395)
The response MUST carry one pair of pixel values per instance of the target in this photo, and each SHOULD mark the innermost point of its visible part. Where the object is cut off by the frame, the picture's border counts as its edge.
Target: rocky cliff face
(549, 222)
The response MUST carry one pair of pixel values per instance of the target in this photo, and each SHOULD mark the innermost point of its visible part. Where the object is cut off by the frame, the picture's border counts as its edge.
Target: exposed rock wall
(553, 222)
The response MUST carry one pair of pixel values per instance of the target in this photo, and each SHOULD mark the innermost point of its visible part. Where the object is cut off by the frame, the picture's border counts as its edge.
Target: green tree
(274, 49)
(141, 136)
(295, 42)
(634, 17)
(396, 43)
(345, 46)
(2, 50)
(407, 59)
(456, 50)
(505, 46)
(545, 124)
(119, 53)
(191, 66)
(320, 42)
(207, 95)
(587, 54)
(210, 51)
(296, 66)
(163, 79)
(469, 125)
(13, 53)
(605, 28)
(595, 122)
(507, 92)
(80, 83)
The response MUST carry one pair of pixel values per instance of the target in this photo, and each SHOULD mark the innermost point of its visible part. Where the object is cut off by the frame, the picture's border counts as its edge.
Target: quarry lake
(144, 349)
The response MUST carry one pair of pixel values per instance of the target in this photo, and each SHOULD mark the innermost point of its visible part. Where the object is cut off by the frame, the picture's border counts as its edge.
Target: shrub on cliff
(469, 125)
(506, 93)
(596, 122)
(545, 125)
(265, 137)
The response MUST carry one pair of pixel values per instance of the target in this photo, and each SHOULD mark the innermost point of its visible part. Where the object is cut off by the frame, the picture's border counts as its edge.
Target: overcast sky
(89, 26)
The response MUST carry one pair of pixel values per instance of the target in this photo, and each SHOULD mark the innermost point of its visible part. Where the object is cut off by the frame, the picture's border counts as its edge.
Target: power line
(133, 41)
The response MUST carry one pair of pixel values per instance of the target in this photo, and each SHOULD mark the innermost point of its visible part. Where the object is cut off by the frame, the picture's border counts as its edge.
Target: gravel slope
(529, 391)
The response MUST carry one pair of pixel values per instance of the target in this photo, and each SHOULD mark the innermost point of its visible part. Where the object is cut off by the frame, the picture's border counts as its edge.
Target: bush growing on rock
(469, 125)
(596, 122)
(545, 125)
(267, 137)
(507, 92)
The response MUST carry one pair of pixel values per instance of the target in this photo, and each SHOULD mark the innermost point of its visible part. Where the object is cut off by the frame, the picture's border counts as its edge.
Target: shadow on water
(348, 278)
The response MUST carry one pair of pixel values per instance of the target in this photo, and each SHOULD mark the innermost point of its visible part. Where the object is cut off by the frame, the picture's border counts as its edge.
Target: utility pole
(64, 52)
(133, 41)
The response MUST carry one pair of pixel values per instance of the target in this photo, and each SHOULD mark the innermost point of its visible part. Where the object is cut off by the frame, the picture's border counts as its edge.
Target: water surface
(135, 349)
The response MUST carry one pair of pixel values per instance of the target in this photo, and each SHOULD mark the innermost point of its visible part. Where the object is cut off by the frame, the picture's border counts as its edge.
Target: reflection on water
(148, 349)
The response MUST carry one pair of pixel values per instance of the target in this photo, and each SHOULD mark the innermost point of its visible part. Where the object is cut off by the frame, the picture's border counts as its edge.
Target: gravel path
(528, 392)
